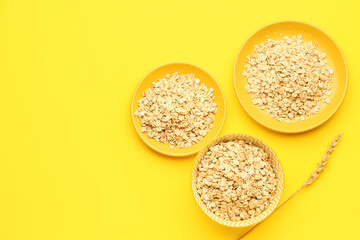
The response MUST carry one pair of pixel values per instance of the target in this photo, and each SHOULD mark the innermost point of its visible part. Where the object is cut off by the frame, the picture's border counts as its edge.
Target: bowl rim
(275, 201)
(140, 134)
(306, 128)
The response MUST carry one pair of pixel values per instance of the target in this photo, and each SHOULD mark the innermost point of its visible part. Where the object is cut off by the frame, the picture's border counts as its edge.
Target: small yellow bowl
(274, 163)
(181, 68)
(335, 58)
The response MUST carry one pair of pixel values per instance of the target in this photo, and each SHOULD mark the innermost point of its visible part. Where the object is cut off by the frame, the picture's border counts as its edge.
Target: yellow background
(71, 164)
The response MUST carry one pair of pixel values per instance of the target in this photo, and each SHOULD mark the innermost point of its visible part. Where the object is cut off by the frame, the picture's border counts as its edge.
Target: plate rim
(306, 128)
(143, 137)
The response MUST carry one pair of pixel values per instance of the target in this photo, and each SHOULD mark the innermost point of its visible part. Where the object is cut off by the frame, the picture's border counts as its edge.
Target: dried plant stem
(313, 176)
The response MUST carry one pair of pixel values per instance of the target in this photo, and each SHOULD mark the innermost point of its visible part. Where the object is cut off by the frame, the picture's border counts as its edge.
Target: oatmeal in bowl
(237, 180)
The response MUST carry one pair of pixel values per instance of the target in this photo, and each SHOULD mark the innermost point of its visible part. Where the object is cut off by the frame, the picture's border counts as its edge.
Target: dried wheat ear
(310, 180)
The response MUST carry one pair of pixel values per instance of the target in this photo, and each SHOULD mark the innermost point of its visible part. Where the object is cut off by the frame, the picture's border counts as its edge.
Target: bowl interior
(181, 68)
(274, 163)
(335, 59)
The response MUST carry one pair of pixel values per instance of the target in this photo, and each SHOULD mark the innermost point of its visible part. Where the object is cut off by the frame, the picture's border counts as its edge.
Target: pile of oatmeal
(288, 78)
(177, 110)
(235, 180)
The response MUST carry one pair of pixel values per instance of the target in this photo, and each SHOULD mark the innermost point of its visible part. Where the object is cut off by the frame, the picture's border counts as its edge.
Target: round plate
(335, 58)
(181, 68)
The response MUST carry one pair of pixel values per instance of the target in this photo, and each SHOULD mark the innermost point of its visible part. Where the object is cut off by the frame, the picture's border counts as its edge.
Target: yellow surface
(205, 78)
(335, 59)
(71, 163)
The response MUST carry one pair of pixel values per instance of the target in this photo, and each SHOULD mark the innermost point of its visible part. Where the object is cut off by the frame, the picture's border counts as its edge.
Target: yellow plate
(335, 58)
(181, 68)
(275, 163)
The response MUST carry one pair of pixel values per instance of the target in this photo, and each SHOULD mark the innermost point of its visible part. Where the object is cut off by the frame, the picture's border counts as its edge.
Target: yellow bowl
(181, 68)
(274, 161)
(335, 58)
